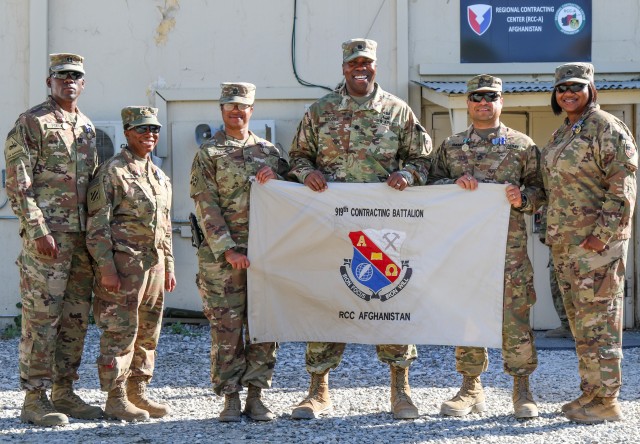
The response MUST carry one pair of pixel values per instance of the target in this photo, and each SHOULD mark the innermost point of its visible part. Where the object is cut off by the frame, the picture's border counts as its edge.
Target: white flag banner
(364, 263)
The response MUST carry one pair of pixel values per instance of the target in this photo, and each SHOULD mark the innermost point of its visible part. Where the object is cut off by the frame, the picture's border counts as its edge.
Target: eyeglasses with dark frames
(576, 87)
(141, 129)
(64, 75)
(487, 96)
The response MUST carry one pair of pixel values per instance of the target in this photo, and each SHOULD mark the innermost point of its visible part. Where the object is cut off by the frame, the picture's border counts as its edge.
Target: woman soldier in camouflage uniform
(129, 237)
(221, 177)
(589, 171)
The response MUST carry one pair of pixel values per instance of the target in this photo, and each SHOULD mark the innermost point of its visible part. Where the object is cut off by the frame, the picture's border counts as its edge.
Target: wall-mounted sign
(507, 31)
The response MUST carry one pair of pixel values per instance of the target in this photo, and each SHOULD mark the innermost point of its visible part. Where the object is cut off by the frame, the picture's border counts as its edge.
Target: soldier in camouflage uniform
(589, 170)
(129, 237)
(489, 152)
(360, 134)
(51, 156)
(221, 177)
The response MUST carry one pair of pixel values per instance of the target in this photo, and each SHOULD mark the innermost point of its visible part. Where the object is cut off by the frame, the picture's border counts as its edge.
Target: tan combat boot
(137, 395)
(469, 399)
(401, 404)
(66, 401)
(119, 407)
(582, 400)
(38, 410)
(317, 402)
(523, 404)
(597, 410)
(232, 411)
(254, 408)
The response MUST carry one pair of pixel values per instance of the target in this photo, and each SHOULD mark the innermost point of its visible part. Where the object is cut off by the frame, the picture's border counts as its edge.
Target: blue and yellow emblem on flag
(376, 265)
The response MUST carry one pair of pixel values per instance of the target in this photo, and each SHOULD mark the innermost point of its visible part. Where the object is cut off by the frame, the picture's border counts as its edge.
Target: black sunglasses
(487, 96)
(153, 129)
(576, 87)
(63, 75)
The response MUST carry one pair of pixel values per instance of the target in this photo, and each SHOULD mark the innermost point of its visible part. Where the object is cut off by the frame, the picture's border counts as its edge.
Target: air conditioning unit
(109, 138)
(261, 128)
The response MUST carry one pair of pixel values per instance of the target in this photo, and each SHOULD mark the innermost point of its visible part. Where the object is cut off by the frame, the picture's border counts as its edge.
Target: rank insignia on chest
(465, 147)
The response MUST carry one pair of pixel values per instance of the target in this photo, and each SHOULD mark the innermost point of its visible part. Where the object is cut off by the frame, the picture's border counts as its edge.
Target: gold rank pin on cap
(354, 48)
(66, 62)
(241, 92)
(577, 72)
(484, 82)
(139, 115)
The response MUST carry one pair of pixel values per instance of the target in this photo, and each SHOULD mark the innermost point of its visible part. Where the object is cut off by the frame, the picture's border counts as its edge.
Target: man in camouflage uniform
(489, 152)
(564, 331)
(221, 177)
(360, 134)
(50, 156)
(589, 169)
(129, 237)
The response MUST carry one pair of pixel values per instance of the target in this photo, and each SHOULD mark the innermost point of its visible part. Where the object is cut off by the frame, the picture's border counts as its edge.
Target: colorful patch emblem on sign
(570, 18)
(376, 264)
(479, 17)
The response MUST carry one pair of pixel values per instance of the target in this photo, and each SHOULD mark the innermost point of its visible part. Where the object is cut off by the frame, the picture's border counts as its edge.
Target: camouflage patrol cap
(240, 92)
(355, 48)
(574, 72)
(484, 82)
(139, 115)
(66, 62)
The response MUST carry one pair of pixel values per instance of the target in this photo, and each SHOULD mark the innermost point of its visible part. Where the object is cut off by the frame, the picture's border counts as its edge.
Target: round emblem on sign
(570, 18)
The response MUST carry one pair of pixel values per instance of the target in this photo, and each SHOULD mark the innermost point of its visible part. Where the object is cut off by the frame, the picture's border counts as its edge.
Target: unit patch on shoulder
(96, 197)
(13, 149)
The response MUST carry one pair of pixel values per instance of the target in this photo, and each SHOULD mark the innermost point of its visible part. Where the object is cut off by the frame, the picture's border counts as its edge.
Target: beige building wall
(173, 54)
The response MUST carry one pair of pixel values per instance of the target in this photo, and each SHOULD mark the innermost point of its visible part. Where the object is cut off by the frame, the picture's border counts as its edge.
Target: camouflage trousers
(235, 361)
(519, 354)
(130, 320)
(322, 356)
(592, 285)
(556, 294)
(56, 300)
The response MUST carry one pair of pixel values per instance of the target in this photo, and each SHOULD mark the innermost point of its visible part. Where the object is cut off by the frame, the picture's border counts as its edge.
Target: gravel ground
(359, 390)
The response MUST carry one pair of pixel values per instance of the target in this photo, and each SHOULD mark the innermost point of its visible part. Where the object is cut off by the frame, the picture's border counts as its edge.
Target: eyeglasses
(153, 129)
(231, 106)
(487, 96)
(64, 75)
(576, 87)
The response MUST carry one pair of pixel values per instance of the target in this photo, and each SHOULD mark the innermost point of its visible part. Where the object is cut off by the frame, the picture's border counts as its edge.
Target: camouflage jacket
(364, 143)
(221, 177)
(129, 212)
(50, 162)
(589, 172)
(509, 157)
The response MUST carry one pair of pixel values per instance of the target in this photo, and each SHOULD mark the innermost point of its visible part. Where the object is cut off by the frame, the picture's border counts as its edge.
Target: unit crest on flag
(479, 17)
(376, 270)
